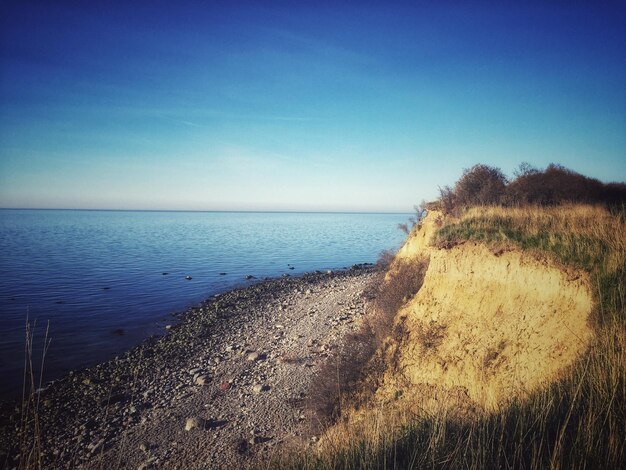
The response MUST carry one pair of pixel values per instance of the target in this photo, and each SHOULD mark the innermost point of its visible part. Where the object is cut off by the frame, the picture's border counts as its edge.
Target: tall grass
(29, 428)
(577, 422)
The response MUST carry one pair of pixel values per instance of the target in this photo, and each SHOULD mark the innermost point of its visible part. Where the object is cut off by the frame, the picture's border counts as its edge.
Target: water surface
(99, 277)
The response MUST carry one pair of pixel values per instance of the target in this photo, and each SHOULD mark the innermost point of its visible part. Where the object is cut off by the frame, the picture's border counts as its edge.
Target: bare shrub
(400, 286)
(343, 376)
(404, 228)
(385, 258)
(483, 185)
(615, 195)
(402, 283)
(480, 185)
(558, 185)
(525, 169)
(435, 205)
(340, 377)
(420, 212)
(447, 199)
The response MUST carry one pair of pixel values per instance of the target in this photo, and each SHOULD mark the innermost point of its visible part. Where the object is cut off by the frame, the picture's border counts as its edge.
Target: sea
(100, 282)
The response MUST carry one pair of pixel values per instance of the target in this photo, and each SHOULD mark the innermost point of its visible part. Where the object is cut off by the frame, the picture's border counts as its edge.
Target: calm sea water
(93, 274)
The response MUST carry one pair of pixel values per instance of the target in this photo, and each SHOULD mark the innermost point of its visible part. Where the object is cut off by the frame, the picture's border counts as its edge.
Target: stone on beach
(201, 380)
(258, 388)
(194, 422)
(220, 360)
(254, 356)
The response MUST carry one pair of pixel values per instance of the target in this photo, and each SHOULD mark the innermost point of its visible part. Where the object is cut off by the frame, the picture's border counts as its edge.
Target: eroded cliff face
(418, 243)
(491, 326)
(485, 328)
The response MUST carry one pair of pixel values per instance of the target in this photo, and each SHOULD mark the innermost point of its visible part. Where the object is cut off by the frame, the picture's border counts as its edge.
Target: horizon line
(201, 210)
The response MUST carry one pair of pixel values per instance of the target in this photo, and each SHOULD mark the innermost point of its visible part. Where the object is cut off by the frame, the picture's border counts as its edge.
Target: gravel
(224, 387)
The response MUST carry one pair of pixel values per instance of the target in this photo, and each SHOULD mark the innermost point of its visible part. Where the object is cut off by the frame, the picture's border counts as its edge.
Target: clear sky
(286, 106)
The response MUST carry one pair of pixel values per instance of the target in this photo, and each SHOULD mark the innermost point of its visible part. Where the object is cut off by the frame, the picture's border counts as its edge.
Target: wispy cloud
(183, 121)
(200, 114)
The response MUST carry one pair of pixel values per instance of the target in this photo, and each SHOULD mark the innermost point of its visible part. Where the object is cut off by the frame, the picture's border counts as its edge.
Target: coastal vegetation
(483, 185)
(354, 370)
(553, 236)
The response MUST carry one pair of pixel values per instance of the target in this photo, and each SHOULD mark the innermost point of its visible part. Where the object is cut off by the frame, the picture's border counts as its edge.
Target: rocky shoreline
(223, 388)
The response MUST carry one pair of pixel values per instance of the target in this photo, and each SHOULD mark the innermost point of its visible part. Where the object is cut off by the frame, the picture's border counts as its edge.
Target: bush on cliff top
(483, 185)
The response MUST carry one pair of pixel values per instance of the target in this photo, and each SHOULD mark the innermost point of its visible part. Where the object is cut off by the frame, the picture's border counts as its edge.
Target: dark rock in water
(291, 267)
(119, 332)
(106, 288)
(250, 276)
(222, 274)
(188, 278)
(285, 275)
(165, 274)
(59, 302)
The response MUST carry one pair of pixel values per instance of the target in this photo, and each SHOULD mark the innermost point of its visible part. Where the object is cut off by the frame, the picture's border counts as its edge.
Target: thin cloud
(183, 121)
(236, 117)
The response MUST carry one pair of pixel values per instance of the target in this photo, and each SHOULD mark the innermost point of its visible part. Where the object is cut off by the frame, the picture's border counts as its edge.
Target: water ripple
(97, 274)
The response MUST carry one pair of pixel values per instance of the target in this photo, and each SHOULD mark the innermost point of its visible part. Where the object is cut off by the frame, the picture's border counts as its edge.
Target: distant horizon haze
(251, 211)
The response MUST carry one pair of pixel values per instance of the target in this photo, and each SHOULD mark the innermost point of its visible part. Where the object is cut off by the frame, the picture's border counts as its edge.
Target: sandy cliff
(486, 327)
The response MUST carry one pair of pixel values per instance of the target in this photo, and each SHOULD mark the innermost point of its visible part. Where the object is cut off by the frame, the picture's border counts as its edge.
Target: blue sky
(285, 106)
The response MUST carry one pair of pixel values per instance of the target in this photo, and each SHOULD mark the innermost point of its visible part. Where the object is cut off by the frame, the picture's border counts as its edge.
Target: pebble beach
(226, 386)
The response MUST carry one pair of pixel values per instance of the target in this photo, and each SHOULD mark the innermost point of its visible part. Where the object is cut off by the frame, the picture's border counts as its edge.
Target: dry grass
(354, 370)
(395, 290)
(578, 421)
(584, 236)
(338, 380)
(29, 432)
